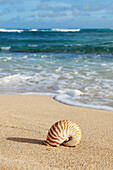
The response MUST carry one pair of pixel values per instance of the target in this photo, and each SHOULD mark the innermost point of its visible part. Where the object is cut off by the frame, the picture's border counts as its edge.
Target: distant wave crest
(11, 30)
(54, 30)
(65, 30)
(34, 30)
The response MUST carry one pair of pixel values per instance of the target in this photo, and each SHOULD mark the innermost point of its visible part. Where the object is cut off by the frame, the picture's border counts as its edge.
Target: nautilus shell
(64, 132)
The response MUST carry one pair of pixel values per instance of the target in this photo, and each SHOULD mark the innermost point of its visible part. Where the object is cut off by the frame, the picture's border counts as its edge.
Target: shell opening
(68, 139)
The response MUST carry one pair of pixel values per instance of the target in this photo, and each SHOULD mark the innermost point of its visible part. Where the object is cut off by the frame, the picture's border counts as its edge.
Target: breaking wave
(11, 30)
(83, 49)
(54, 30)
(65, 30)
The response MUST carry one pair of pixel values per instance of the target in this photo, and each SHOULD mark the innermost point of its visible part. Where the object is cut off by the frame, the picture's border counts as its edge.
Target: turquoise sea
(75, 66)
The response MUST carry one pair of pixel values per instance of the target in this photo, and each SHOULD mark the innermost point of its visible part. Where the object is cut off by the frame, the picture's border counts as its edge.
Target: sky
(56, 14)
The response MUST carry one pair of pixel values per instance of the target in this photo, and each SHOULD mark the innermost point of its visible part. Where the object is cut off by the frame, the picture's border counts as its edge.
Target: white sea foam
(14, 78)
(25, 56)
(66, 99)
(103, 64)
(80, 81)
(5, 48)
(33, 45)
(43, 56)
(34, 30)
(59, 69)
(39, 93)
(65, 30)
(72, 92)
(7, 59)
(11, 30)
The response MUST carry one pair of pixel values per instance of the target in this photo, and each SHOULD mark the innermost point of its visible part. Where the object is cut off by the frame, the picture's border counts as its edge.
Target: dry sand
(24, 123)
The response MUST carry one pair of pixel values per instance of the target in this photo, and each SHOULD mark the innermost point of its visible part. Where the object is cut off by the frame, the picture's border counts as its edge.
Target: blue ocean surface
(73, 65)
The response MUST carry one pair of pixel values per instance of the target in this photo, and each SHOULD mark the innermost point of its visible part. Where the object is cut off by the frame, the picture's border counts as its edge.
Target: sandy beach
(24, 123)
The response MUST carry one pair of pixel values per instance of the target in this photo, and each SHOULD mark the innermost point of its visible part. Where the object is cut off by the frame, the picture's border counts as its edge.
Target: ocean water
(75, 66)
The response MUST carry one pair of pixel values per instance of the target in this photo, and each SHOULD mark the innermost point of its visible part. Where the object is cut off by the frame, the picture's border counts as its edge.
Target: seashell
(64, 132)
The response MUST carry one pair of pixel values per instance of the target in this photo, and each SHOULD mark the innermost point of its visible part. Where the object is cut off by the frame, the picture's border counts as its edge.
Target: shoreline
(54, 96)
(25, 121)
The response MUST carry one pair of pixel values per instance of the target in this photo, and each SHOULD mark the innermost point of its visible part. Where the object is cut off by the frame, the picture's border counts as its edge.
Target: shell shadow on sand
(26, 140)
